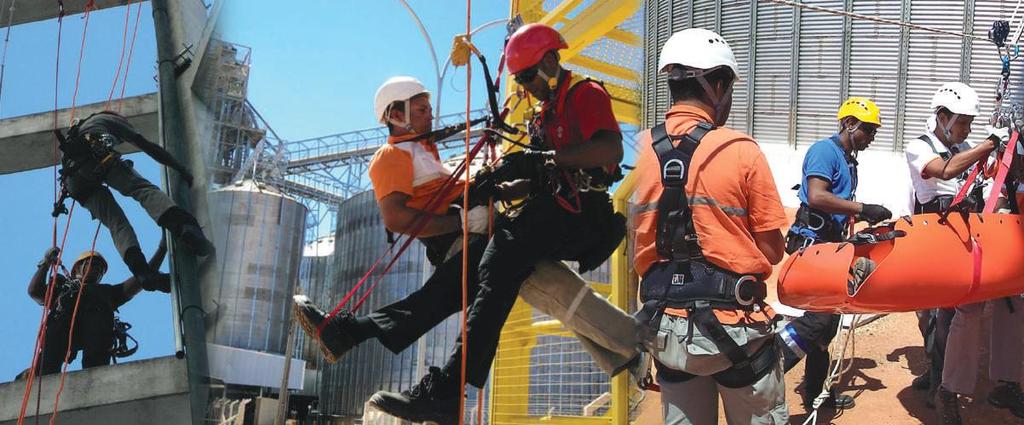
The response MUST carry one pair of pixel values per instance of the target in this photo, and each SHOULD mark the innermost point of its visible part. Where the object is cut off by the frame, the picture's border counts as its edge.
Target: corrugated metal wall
(795, 96)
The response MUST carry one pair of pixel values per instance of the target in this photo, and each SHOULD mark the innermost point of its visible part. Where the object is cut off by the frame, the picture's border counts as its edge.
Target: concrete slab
(27, 142)
(153, 391)
(32, 11)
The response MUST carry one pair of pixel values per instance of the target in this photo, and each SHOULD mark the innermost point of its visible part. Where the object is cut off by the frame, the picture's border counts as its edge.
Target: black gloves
(873, 213)
(49, 257)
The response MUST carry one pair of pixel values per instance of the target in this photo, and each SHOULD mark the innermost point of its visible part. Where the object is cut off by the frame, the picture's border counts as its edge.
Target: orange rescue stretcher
(937, 263)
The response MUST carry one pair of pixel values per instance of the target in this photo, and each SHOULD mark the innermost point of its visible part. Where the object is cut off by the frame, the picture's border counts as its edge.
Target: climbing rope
(120, 62)
(465, 224)
(837, 370)
(131, 51)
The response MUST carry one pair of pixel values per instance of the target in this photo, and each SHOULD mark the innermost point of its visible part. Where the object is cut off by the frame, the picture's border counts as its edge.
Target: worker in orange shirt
(708, 232)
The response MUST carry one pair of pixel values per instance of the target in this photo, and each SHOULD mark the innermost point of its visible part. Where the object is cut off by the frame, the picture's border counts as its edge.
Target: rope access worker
(708, 232)
(938, 161)
(575, 130)
(406, 174)
(826, 207)
(91, 167)
(98, 333)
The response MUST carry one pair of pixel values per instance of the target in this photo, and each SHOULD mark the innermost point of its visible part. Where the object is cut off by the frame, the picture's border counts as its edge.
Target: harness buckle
(739, 283)
(674, 171)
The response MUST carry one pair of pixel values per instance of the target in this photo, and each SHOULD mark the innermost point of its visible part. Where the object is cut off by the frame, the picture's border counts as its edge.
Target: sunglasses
(869, 130)
(526, 75)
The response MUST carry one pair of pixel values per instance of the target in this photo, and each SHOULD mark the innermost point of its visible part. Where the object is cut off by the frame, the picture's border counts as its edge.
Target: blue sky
(26, 227)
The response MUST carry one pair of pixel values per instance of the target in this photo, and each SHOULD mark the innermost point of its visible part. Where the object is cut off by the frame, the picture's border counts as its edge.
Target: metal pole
(184, 268)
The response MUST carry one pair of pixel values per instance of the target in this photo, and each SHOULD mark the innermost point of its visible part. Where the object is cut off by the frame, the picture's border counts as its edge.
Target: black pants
(541, 230)
(405, 321)
(935, 336)
(818, 329)
(94, 336)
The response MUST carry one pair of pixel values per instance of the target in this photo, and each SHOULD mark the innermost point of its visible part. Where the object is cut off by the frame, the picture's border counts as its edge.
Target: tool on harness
(121, 347)
(998, 33)
(684, 279)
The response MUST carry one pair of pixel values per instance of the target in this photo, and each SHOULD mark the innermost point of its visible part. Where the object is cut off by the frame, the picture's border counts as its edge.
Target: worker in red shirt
(708, 231)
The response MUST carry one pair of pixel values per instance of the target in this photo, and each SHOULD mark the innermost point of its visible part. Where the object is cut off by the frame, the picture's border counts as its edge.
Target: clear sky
(25, 222)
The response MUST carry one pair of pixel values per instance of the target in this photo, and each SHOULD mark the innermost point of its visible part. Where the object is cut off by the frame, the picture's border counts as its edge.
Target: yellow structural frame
(511, 368)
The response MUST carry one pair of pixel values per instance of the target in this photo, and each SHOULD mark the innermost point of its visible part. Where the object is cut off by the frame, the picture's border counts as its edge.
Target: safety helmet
(529, 44)
(697, 48)
(861, 108)
(958, 98)
(97, 261)
(396, 89)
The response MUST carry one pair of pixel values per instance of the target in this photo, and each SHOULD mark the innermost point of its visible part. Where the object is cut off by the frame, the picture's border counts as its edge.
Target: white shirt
(919, 154)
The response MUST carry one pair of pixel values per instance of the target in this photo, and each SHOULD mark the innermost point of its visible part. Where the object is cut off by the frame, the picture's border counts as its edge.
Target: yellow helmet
(862, 109)
(98, 261)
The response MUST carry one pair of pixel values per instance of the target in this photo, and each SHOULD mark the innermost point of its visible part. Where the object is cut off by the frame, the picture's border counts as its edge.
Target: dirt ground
(888, 354)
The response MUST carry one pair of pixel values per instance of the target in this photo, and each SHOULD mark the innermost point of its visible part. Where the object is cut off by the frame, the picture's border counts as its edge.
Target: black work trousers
(824, 327)
(94, 336)
(935, 333)
(403, 322)
(541, 230)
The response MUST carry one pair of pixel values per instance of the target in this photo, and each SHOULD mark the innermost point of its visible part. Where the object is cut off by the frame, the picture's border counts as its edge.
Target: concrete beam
(33, 11)
(28, 140)
(154, 391)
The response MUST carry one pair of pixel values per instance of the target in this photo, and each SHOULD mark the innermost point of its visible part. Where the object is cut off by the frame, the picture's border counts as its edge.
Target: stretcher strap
(960, 195)
(1004, 169)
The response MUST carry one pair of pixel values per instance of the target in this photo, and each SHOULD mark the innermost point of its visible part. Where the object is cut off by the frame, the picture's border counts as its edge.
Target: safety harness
(813, 225)
(671, 283)
(942, 203)
(86, 159)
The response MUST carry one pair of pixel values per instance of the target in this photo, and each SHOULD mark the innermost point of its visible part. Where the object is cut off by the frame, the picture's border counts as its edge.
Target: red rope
(71, 328)
(124, 42)
(81, 55)
(7, 41)
(131, 51)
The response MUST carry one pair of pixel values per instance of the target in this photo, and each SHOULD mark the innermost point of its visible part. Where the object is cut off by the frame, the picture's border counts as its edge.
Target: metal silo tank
(258, 232)
(359, 239)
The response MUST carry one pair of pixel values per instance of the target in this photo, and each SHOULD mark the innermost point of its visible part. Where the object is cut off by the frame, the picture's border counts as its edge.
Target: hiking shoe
(433, 400)
(834, 401)
(859, 272)
(948, 407)
(922, 382)
(337, 337)
(1008, 396)
(194, 241)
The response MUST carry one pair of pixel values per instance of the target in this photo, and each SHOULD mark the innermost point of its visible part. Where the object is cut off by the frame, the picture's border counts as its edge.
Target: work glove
(999, 134)
(873, 213)
(476, 219)
(527, 164)
(50, 256)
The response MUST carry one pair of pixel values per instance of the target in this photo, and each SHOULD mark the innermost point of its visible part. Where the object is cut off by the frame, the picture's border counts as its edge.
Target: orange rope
(124, 43)
(81, 54)
(131, 51)
(71, 328)
(465, 229)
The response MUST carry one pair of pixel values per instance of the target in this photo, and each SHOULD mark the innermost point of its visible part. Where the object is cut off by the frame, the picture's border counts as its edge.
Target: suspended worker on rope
(97, 332)
(708, 231)
(827, 187)
(91, 167)
(938, 162)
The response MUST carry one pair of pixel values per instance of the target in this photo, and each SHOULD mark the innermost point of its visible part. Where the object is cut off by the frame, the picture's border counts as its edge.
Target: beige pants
(605, 331)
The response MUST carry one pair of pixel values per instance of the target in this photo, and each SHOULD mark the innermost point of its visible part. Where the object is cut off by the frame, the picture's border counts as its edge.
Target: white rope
(877, 19)
(835, 373)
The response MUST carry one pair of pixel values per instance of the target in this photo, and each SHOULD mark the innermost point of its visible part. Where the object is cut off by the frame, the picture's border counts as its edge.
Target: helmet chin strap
(552, 81)
(949, 126)
(716, 101)
(405, 123)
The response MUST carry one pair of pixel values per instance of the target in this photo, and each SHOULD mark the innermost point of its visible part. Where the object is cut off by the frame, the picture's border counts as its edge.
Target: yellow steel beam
(558, 13)
(605, 68)
(576, 420)
(594, 22)
(550, 327)
(624, 37)
(622, 279)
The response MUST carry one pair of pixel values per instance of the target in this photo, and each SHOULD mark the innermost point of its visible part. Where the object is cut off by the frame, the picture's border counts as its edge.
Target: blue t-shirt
(826, 159)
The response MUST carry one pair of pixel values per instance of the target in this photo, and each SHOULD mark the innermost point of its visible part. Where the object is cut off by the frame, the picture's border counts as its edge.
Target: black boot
(186, 229)
(147, 278)
(1008, 396)
(434, 399)
(339, 335)
(948, 407)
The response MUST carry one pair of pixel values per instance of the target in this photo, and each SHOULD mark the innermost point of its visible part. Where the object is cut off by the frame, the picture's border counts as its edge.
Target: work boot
(948, 407)
(338, 336)
(922, 382)
(859, 272)
(186, 229)
(145, 276)
(1008, 396)
(434, 400)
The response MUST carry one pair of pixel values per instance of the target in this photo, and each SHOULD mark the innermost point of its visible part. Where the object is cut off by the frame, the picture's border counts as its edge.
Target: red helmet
(528, 45)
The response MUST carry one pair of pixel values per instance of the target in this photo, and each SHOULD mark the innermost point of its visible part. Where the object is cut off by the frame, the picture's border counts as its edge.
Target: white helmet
(396, 89)
(958, 98)
(697, 48)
